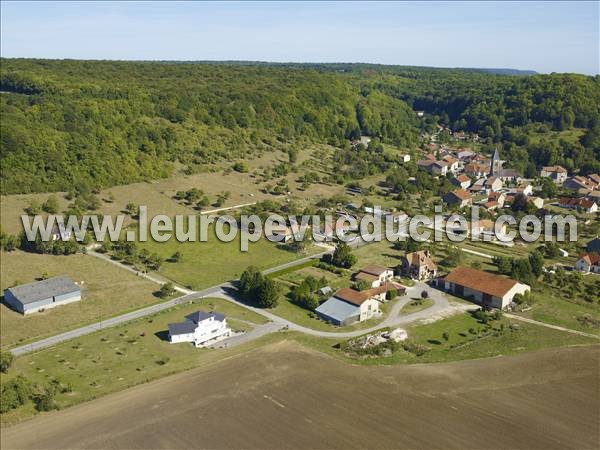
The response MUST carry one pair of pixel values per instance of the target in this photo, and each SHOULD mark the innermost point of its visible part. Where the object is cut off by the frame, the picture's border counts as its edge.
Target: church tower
(495, 165)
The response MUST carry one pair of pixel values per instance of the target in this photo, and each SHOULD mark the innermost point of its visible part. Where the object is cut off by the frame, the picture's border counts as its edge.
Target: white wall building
(201, 328)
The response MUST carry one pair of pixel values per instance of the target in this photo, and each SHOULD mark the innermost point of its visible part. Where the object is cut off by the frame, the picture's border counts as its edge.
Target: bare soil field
(285, 396)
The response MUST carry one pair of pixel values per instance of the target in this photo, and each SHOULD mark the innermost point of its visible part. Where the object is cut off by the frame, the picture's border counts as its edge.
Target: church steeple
(495, 165)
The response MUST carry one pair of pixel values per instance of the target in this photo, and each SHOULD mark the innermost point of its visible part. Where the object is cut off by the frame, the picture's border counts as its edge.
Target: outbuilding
(483, 288)
(40, 295)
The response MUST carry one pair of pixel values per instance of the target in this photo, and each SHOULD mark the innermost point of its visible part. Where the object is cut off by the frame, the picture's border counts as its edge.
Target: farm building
(349, 305)
(40, 295)
(483, 288)
(201, 328)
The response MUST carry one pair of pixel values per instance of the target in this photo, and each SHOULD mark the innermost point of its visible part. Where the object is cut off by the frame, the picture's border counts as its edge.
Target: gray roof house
(201, 328)
(40, 295)
(593, 246)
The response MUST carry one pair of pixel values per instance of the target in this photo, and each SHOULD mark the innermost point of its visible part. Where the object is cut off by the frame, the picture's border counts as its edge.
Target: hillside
(103, 123)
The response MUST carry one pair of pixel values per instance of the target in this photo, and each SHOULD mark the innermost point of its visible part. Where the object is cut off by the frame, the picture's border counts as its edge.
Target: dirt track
(284, 396)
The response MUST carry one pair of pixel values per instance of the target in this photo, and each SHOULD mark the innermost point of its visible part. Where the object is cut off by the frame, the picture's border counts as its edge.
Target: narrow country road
(188, 296)
(554, 327)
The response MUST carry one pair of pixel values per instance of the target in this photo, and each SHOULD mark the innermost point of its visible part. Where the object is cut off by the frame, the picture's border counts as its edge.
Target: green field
(116, 358)
(209, 263)
(550, 308)
(107, 291)
(461, 343)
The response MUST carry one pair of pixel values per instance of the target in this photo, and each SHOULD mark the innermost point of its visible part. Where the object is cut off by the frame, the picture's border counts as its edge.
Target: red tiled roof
(481, 281)
(557, 169)
(374, 269)
(591, 258)
(462, 194)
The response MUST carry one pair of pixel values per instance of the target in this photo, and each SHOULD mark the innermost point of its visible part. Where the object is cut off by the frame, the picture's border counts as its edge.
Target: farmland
(417, 406)
(116, 358)
(107, 291)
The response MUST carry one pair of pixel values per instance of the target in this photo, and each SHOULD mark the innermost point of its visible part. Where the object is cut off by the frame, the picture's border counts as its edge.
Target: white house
(556, 173)
(375, 275)
(483, 288)
(396, 216)
(588, 263)
(201, 328)
(461, 181)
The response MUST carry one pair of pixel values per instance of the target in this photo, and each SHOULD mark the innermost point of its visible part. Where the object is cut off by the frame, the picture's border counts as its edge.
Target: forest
(102, 123)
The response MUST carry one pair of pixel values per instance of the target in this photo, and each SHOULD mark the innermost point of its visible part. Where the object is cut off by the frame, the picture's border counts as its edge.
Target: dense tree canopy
(101, 123)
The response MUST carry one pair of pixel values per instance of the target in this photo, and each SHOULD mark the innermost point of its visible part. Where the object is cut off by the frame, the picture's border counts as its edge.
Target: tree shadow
(434, 341)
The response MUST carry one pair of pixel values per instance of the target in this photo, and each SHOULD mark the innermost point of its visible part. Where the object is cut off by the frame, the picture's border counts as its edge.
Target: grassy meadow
(116, 358)
(107, 291)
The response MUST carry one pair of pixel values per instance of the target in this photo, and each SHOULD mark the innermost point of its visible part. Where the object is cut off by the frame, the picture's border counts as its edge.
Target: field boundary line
(554, 327)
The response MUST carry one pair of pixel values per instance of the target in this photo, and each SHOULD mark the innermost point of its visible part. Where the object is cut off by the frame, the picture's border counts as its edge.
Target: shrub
(6, 359)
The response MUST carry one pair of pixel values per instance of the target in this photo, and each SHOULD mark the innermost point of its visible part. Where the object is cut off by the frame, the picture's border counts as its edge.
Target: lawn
(417, 305)
(461, 344)
(107, 291)
(554, 310)
(205, 264)
(116, 358)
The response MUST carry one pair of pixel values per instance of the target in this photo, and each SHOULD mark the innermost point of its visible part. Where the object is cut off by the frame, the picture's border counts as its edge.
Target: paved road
(189, 295)
(440, 308)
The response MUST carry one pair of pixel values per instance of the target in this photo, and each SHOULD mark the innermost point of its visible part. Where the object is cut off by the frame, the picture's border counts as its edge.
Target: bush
(241, 167)
(44, 399)
(391, 294)
(414, 348)
(6, 359)
(166, 290)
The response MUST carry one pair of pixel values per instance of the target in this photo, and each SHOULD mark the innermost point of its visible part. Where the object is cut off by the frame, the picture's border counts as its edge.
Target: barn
(40, 295)
(483, 288)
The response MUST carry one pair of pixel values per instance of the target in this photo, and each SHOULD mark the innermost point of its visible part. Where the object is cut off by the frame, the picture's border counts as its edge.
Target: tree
(342, 256)
(424, 294)
(51, 205)
(154, 261)
(6, 359)
(453, 256)
(268, 293)
(391, 294)
(536, 260)
(362, 285)
(203, 202)
(33, 208)
(522, 271)
(520, 203)
(131, 209)
(548, 188)
(249, 281)
(166, 290)
(176, 257)
(504, 264)
(292, 155)
(43, 399)
(241, 167)
(445, 336)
